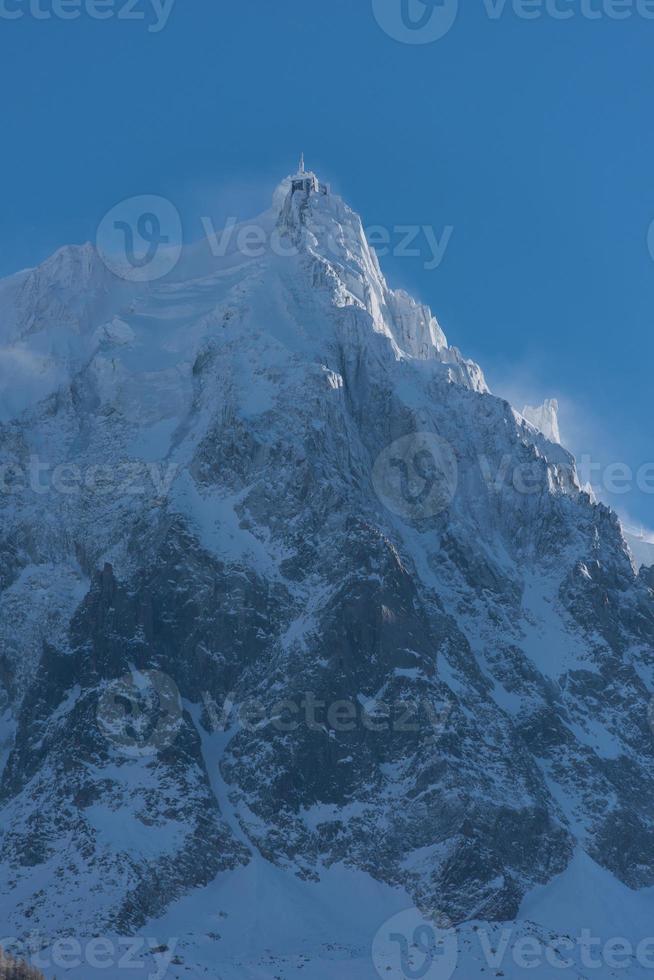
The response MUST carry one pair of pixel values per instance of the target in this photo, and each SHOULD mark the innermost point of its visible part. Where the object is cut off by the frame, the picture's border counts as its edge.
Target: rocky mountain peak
(261, 488)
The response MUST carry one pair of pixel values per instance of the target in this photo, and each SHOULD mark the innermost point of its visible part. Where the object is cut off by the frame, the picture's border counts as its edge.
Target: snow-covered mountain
(301, 626)
(641, 544)
(545, 418)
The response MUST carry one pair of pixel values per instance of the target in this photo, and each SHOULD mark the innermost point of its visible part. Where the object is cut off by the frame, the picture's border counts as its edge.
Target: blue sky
(531, 138)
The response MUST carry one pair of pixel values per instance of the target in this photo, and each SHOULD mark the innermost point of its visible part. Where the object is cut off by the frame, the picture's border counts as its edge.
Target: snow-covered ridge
(641, 543)
(545, 418)
(51, 317)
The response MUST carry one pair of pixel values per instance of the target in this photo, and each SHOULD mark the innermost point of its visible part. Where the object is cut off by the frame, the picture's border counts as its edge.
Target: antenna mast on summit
(301, 170)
